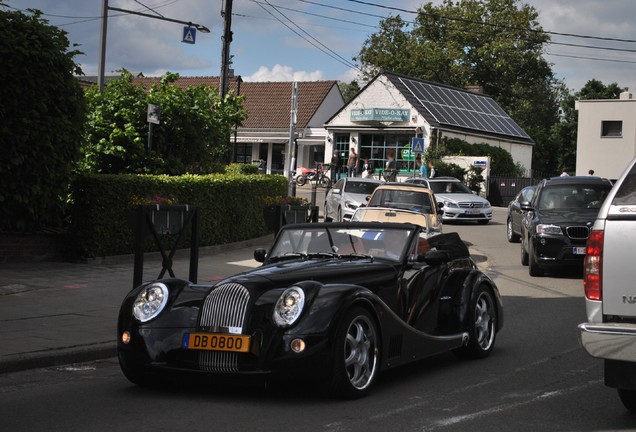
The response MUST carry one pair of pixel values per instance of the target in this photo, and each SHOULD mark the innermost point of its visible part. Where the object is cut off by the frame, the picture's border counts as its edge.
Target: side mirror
(260, 254)
(525, 206)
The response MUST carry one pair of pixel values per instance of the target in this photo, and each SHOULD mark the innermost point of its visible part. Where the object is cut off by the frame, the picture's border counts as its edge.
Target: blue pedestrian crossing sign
(417, 145)
(189, 35)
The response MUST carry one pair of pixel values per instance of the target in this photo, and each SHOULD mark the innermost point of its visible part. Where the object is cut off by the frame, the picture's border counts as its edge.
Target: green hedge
(230, 208)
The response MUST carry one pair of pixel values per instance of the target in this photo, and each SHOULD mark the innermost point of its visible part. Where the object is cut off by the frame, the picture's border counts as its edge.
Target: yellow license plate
(216, 342)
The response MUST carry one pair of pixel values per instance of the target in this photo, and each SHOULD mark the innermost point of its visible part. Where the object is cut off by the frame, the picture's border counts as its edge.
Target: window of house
(611, 128)
(342, 146)
(243, 153)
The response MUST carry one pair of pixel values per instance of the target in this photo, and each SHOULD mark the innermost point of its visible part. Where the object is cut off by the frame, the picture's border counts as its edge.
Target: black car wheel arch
(482, 324)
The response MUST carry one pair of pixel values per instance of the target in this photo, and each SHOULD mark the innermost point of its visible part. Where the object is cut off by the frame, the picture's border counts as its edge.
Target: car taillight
(593, 266)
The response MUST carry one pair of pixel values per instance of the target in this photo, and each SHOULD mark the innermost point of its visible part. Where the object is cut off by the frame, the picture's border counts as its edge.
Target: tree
(192, 136)
(495, 44)
(41, 120)
(349, 91)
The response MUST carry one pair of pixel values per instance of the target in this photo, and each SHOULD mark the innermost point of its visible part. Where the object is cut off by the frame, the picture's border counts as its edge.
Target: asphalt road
(538, 379)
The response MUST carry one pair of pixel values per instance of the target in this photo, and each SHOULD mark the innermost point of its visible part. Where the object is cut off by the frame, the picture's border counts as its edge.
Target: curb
(58, 357)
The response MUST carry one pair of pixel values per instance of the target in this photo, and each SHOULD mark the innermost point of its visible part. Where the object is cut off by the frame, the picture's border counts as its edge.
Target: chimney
(625, 95)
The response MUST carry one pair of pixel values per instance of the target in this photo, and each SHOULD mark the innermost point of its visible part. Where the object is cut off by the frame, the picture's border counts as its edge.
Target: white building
(606, 136)
(392, 109)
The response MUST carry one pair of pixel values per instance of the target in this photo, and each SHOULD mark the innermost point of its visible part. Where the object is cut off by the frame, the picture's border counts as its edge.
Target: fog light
(125, 337)
(543, 241)
(297, 345)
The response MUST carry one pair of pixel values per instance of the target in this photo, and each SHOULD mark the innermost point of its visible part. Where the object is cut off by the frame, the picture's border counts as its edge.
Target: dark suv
(558, 221)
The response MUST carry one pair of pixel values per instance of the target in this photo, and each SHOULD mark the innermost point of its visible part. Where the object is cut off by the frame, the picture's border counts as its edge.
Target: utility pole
(102, 51)
(291, 145)
(226, 39)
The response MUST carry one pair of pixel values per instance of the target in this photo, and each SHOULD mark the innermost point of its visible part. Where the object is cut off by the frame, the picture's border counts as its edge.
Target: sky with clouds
(309, 40)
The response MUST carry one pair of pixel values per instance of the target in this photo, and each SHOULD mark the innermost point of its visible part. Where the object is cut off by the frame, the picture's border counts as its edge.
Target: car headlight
(351, 205)
(487, 204)
(150, 301)
(450, 204)
(548, 229)
(289, 306)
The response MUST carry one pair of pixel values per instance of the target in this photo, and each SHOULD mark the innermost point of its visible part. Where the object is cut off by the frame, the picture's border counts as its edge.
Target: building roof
(457, 109)
(268, 104)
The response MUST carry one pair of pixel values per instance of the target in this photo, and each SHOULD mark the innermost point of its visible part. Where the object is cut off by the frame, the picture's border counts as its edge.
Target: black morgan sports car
(336, 301)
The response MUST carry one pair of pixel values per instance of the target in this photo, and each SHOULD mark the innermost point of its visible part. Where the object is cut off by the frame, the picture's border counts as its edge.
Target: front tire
(482, 327)
(512, 237)
(628, 397)
(133, 371)
(524, 254)
(301, 180)
(533, 264)
(356, 355)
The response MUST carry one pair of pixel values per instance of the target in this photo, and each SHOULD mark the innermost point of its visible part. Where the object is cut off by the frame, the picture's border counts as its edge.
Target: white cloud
(283, 73)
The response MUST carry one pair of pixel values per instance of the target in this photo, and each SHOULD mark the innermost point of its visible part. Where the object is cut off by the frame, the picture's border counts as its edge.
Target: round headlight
(289, 306)
(150, 301)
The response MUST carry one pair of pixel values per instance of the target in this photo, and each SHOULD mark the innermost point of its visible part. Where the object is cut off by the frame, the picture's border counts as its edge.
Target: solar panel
(455, 107)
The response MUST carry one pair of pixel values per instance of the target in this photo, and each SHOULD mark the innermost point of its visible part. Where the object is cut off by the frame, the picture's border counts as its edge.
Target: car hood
(355, 197)
(457, 197)
(364, 272)
(566, 217)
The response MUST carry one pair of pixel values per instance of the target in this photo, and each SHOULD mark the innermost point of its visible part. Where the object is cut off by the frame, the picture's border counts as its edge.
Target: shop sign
(380, 114)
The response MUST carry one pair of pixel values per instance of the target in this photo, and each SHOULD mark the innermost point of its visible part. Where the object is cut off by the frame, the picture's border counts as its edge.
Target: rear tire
(356, 354)
(482, 328)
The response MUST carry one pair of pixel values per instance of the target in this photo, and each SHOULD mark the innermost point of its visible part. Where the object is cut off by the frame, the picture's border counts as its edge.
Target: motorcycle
(319, 175)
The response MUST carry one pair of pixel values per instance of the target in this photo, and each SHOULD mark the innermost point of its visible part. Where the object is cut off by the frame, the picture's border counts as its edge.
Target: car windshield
(386, 243)
(446, 187)
(572, 197)
(413, 200)
(359, 187)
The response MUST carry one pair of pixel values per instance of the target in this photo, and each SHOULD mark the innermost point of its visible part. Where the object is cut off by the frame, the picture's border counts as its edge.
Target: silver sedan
(345, 197)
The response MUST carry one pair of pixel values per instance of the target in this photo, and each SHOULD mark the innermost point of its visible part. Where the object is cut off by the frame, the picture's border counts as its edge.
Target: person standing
(423, 171)
(564, 173)
(335, 166)
(352, 163)
(431, 169)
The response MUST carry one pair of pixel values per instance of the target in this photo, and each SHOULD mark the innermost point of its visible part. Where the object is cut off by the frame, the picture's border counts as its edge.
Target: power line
(326, 49)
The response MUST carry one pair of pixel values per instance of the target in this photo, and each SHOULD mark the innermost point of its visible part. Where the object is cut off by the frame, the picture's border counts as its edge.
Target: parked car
(410, 197)
(337, 302)
(346, 195)
(430, 224)
(456, 199)
(515, 214)
(558, 221)
(610, 293)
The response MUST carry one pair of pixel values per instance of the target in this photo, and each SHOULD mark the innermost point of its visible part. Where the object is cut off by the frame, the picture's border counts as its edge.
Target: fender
(474, 279)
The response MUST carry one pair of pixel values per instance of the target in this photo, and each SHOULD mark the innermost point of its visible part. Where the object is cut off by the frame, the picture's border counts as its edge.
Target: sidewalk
(54, 313)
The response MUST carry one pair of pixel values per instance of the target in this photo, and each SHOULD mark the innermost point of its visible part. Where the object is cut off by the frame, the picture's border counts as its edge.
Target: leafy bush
(42, 112)
(230, 208)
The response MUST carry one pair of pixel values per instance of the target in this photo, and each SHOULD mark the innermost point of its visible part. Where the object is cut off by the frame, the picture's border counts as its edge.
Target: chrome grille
(577, 232)
(470, 204)
(223, 308)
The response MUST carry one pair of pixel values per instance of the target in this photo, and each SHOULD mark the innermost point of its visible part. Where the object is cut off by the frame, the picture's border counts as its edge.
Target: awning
(311, 141)
(263, 139)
